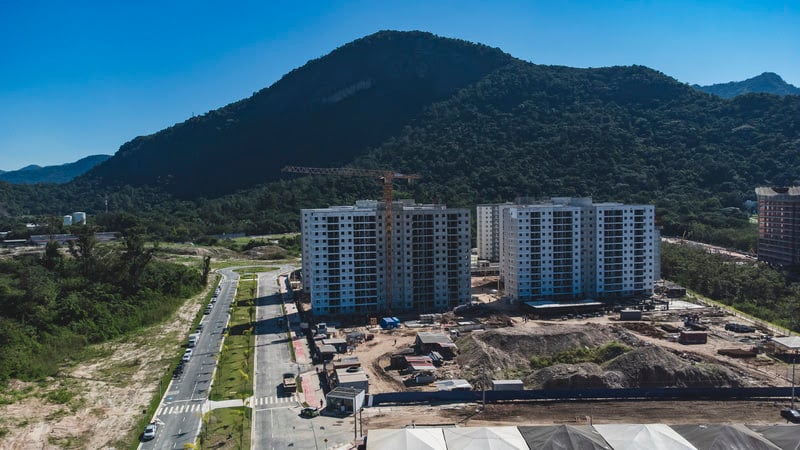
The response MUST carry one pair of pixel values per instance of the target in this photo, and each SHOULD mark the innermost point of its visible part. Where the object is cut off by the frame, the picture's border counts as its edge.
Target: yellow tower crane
(388, 177)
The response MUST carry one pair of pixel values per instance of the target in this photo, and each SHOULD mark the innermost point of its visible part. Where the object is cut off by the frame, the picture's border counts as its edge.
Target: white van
(192, 340)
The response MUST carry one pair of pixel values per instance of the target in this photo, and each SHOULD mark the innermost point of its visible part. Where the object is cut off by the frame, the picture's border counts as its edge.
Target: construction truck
(289, 384)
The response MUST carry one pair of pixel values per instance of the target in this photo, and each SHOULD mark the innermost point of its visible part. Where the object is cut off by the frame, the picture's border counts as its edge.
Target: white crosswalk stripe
(273, 400)
(179, 409)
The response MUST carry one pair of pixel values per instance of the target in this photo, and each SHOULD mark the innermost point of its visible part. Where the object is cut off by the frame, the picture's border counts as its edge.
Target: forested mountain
(327, 112)
(478, 124)
(766, 83)
(52, 174)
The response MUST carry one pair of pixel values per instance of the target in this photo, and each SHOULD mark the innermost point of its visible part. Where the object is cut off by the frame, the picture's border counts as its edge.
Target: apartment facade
(489, 229)
(345, 266)
(779, 225)
(571, 249)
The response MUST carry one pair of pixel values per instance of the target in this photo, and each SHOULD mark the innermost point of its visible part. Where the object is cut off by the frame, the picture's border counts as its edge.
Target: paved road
(279, 425)
(181, 409)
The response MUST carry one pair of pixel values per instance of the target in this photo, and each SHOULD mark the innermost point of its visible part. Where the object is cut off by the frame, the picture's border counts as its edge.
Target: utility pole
(794, 361)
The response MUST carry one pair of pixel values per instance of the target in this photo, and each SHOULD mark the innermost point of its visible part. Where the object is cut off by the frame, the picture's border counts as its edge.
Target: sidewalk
(210, 405)
(312, 394)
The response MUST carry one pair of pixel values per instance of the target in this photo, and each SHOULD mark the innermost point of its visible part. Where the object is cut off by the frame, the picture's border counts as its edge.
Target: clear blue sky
(83, 77)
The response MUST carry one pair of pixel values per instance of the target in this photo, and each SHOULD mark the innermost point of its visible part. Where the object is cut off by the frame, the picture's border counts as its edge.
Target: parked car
(187, 355)
(150, 431)
(309, 412)
(792, 415)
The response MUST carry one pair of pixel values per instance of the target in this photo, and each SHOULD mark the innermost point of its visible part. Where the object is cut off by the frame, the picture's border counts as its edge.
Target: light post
(794, 361)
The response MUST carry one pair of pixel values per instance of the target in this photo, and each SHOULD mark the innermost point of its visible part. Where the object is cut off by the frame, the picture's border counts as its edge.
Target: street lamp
(794, 361)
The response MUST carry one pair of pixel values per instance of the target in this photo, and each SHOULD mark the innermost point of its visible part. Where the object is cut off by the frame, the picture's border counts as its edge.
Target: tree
(206, 269)
(52, 258)
(83, 248)
(136, 257)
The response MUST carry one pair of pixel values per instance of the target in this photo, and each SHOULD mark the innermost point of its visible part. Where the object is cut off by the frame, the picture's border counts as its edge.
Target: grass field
(234, 377)
(227, 428)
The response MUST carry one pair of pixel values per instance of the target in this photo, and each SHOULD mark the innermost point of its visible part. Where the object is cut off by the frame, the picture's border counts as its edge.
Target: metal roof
(790, 342)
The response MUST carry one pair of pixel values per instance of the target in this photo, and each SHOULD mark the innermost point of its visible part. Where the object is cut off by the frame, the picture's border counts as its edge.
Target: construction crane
(388, 177)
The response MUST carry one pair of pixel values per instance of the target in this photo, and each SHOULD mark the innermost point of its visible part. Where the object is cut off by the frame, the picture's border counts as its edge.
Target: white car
(187, 355)
(150, 431)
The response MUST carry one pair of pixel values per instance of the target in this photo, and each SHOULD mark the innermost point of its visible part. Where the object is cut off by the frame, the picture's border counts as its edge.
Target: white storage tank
(67, 220)
(79, 218)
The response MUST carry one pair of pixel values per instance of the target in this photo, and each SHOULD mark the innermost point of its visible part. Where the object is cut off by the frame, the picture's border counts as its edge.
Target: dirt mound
(654, 366)
(507, 353)
(268, 252)
(576, 376)
(510, 349)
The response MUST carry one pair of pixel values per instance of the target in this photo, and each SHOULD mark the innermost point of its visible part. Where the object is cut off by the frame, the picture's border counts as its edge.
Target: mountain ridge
(766, 83)
(61, 173)
(478, 124)
(338, 105)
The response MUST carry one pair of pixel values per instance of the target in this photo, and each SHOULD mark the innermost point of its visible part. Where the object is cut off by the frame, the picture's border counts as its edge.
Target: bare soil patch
(576, 413)
(107, 394)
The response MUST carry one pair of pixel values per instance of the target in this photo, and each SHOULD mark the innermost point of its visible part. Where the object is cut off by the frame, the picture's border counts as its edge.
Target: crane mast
(388, 177)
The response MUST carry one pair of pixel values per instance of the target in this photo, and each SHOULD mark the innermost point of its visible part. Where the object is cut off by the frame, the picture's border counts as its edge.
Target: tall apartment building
(488, 221)
(344, 257)
(779, 225)
(571, 248)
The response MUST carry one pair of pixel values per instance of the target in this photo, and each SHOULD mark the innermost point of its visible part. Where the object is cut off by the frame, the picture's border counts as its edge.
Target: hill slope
(52, 174)
(766, 83)
(619, 134)
(326, 112)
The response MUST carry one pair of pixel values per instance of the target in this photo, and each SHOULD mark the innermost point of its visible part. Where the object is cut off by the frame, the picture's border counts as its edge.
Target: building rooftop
(773, 191)
(430, 337)
(511, 382)
(345, 392)
(351, 377)
(449, 385)
(327, 348)
(789, 343)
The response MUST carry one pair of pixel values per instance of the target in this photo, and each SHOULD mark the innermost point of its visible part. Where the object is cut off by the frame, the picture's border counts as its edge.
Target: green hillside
(326, 112)
(479, 126)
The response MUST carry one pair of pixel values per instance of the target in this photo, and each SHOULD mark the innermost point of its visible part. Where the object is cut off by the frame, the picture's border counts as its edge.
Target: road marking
(273, 400)
(179, 409)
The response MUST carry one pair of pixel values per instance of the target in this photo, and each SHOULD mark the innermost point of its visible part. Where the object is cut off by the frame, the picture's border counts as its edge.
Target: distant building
(567, 249)
(344, 258)
(488, 221)
(779, 225)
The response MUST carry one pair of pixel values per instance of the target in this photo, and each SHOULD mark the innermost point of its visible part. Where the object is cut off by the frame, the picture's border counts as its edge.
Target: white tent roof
(484, 438)
(636, 437)
(406, 439)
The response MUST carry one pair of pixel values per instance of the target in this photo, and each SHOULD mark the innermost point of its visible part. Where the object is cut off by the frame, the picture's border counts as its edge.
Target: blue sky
(83, 77)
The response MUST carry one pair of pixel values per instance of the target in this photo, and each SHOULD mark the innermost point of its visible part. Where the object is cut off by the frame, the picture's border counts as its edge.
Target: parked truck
(289, 383)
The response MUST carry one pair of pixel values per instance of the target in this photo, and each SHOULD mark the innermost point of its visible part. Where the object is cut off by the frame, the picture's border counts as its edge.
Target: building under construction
(779, 225)
(347, 269)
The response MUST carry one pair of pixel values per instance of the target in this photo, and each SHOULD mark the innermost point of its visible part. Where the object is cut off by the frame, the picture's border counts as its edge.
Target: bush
(597, 355)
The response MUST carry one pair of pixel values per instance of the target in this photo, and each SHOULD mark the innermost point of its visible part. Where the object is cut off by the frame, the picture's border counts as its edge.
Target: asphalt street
(179, 415)
(279, 426)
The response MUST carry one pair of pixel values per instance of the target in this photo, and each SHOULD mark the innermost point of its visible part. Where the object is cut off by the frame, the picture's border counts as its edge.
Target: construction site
(391, 312)
(491, 345)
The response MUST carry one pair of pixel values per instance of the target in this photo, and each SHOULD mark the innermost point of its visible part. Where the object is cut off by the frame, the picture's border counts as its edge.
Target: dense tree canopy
(479, 126)
(754, 288)
(52, 306)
